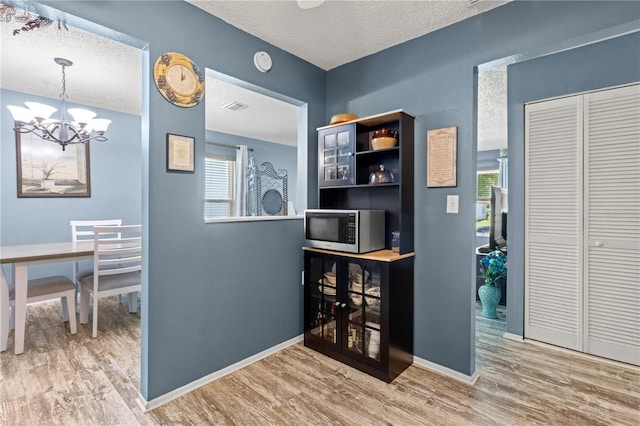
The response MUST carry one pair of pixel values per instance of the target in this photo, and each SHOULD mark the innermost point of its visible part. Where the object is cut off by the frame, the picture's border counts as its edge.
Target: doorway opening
(98, 54)
(491, 191)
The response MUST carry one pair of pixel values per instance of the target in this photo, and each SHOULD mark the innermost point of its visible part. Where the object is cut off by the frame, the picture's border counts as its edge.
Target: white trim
(445, 371)
(183, 390)
(514, 337)
(251, 218)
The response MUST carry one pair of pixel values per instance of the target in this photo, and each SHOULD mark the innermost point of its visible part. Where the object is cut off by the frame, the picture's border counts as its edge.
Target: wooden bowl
(356, 299)
(330, 277)
(342, 118)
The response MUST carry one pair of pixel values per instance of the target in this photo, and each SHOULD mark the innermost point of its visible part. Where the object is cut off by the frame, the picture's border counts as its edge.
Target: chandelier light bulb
(82, 116)
(21, 114)
(99, 125)
(40, 111)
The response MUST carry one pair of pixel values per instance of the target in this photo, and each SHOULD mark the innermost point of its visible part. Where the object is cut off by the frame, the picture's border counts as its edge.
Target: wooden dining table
(23, 256)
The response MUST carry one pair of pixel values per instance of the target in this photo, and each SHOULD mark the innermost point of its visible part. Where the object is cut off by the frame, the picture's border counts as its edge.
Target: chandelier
(35, 119)
(29, 20)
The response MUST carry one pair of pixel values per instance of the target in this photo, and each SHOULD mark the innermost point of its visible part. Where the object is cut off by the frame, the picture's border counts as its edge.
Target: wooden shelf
(372, 120)
(380, 255)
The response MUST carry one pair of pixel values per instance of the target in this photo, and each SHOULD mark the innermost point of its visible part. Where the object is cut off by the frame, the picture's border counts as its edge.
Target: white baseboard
(445, 371)
(515, 337)
(183, 390)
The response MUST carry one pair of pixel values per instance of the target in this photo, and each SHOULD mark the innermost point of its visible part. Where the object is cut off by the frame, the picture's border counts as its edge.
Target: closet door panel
(612, 231)
(553, 222)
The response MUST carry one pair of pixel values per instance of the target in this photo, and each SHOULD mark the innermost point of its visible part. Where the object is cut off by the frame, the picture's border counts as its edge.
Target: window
(219, 186)
(486, 179)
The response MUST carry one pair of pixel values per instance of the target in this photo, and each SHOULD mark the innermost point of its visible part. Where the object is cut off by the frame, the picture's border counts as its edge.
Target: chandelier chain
(63, 95)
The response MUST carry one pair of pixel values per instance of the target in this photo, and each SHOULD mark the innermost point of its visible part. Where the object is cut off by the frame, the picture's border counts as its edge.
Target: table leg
(20, 280)
(4, 312)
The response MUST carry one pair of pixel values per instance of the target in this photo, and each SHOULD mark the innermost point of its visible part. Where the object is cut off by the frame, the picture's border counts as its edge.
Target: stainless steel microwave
(352, 231)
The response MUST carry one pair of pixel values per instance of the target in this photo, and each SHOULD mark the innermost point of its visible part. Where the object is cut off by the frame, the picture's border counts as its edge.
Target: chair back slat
(120, 270)
(83, 229)
(117, 255)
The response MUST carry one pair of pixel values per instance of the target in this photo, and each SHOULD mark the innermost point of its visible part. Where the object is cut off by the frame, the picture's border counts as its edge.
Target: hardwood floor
(75, 380)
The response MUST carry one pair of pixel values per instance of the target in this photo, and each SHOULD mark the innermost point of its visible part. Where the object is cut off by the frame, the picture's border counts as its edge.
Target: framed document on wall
(442, 157)
(180, 153)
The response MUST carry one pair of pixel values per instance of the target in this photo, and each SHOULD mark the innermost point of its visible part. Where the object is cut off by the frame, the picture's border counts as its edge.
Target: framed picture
(45, 170)
(180, 153)
(442, 157)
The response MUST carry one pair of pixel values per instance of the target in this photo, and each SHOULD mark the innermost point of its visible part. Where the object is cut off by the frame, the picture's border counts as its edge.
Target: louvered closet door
(612, 243)
(553, 222)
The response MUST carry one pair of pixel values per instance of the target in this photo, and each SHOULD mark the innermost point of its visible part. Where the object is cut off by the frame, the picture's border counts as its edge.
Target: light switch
(452, 203)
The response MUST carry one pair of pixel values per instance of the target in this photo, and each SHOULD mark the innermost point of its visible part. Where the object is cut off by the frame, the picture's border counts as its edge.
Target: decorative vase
(489, 296)
(47, 183)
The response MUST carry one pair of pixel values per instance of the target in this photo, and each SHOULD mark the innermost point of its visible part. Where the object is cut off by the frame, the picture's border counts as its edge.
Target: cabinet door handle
(598, 244)
(343, 305)
(336, 304)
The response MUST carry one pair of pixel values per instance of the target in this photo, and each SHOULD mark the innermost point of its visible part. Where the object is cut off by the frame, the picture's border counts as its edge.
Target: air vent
(235, 106)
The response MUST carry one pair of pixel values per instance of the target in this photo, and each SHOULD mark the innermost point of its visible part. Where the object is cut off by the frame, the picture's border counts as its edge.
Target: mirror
(251, 153)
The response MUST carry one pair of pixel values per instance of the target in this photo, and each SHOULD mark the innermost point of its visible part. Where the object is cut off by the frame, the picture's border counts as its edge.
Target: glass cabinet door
(336, 150)
(322, 309)
(363, 324)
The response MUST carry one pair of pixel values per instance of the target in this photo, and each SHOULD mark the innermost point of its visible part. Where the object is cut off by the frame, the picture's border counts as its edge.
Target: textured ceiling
(265, 118)
(341, 31)
(107, 74)
(492, 109)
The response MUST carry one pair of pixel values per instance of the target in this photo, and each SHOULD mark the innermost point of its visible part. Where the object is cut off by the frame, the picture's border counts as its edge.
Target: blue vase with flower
(494, 268)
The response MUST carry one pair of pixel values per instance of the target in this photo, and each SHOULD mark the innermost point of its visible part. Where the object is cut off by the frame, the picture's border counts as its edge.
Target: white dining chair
(38, 290)
(83, 230)
(117, 263)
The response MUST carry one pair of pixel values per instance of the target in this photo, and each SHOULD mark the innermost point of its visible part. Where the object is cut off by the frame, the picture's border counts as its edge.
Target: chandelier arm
(24, 128)
(48, 133)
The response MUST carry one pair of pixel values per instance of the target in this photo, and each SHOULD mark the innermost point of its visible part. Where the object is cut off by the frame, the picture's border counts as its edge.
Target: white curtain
(252, 190)
(242, 166)
(504, 172)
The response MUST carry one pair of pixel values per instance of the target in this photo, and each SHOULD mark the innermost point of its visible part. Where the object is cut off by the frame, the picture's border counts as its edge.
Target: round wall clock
(179, 80)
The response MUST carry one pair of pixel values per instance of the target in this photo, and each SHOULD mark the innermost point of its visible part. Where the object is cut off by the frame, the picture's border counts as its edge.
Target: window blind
(219, 189)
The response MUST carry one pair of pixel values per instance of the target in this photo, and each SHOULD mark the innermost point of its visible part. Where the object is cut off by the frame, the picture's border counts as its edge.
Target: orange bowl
(342, 118)
(383, 142)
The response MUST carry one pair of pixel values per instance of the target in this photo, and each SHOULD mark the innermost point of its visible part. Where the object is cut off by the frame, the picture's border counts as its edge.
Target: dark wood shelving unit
(335, 324)
(353, 191)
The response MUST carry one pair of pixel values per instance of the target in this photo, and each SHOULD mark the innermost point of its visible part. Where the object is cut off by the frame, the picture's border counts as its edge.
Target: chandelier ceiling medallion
(35, 119)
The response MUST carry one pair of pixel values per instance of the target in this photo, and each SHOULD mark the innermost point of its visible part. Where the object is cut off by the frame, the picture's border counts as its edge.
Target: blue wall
(488, 160)
(609, 63)
(433, 77)
(116, 176)
(216, 293)
(283, 157)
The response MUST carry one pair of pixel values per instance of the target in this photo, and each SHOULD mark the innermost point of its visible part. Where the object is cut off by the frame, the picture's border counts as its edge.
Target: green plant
(493, 267)
(46, 170)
